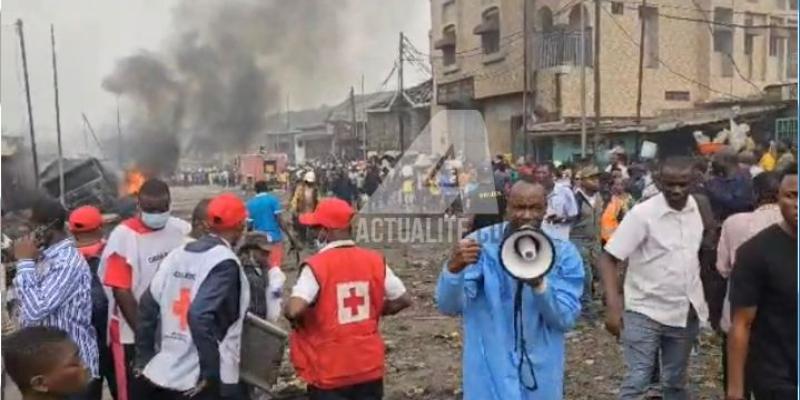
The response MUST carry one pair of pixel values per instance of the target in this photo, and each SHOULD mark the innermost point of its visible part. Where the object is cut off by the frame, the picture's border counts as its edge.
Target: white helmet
(310, 177)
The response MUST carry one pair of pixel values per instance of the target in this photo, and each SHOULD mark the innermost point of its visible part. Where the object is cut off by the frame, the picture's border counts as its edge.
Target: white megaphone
(527, 253)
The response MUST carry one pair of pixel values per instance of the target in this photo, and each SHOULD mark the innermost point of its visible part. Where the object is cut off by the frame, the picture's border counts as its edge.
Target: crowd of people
(225, 177)
(156, 308)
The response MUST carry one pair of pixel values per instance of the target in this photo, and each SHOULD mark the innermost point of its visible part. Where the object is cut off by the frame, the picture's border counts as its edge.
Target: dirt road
(424, 348)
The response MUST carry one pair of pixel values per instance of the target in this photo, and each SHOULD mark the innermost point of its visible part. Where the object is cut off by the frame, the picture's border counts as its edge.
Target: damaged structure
(86, 182)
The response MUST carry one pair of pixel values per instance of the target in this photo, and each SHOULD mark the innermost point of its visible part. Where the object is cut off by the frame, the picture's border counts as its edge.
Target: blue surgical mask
(155, 220)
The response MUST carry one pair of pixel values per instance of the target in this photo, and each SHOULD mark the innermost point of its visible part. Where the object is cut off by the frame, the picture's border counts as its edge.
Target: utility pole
(58, 120)
(525, 69)
(596, 54)
(85, 139)
(582, 58)
(354, 129)
(642, 21)
(28, 97)
(364, 133)
(288, 115)
(288, 125)
(119, 137)
(399, 96)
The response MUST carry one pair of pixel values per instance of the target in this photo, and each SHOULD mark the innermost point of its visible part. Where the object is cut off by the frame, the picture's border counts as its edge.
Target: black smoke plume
(207, 93)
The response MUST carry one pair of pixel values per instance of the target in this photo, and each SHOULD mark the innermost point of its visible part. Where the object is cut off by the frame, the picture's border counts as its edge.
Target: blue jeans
(642, 338)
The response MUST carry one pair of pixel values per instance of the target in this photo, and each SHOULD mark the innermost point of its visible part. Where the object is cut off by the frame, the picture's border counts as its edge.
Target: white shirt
(622, 168)
(592, 200)
(661, 245)
(307, 287)
(561, 203)
(736, 230)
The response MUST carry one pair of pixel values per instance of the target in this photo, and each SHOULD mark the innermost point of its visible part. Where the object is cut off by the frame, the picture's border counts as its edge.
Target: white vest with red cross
(339, 342)
(177, 364)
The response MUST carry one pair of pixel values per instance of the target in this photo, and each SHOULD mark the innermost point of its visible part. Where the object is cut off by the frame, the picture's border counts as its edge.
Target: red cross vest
(339, 343)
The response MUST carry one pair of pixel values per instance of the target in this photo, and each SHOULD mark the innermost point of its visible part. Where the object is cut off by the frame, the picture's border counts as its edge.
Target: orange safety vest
(339, 342)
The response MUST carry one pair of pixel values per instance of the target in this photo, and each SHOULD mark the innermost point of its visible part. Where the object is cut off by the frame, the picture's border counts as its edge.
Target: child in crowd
(44, 363)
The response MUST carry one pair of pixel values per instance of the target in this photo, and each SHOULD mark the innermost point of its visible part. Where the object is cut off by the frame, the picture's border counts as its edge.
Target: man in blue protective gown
(503, 315)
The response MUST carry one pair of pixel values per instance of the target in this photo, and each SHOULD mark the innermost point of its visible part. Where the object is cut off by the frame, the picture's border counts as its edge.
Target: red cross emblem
(353, 301)
(180, 308)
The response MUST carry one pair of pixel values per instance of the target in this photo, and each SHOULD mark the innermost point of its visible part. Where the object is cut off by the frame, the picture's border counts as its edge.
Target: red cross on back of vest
(180, 307)
(353, 301)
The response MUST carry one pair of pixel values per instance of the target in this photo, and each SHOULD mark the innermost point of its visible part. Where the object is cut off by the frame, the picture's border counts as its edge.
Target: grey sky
(92, 35)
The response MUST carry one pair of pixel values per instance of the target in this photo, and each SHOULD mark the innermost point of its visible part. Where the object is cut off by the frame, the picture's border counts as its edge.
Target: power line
(388, 77)
(661, 62)
(510, 38)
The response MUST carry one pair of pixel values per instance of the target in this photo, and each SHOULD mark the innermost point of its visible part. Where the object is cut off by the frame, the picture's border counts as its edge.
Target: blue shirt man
(503, 359)
(54, 285)
(265, 210)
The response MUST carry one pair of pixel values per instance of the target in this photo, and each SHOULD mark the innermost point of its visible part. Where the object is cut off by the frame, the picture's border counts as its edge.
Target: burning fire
(134, 180)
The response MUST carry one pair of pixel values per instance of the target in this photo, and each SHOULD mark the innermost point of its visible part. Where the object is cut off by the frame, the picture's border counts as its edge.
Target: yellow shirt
(767, 162)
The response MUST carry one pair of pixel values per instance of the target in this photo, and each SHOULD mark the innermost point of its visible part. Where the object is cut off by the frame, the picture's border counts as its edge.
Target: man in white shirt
(664, 300)
(562, 209)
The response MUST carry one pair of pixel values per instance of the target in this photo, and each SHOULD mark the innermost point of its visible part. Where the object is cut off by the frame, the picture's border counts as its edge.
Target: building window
(448, 11)
(780, 4)
(793, 4)
(489, 29)
(572, 45)
(447, 44)
(748, 54)
(649, 16)
(723, 39)
(677, 95)
(544, 19)
(617, 7)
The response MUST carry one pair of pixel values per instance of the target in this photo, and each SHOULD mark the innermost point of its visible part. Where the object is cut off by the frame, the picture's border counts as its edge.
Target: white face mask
(155, 220)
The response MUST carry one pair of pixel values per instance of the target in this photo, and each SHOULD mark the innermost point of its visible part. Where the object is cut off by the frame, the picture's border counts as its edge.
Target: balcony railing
(562, 48)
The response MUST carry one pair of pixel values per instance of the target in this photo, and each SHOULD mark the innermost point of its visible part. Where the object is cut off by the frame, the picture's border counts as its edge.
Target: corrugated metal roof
(675, 120)
(342, 111)
(417, 96)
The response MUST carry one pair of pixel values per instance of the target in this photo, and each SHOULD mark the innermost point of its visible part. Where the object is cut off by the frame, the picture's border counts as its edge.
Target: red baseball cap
(85, 219)
(331, 213)
(226, 211)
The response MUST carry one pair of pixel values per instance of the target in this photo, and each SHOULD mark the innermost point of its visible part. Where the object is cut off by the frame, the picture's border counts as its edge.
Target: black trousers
(775, 392)
(363, 391)
(106, 363)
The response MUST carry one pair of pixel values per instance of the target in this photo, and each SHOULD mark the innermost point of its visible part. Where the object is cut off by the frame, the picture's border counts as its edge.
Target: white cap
(310, 177)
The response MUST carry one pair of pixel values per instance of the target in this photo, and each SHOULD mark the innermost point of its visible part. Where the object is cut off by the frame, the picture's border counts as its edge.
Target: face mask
(155, 220)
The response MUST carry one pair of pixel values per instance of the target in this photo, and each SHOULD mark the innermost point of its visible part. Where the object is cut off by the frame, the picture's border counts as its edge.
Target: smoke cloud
(208, 91)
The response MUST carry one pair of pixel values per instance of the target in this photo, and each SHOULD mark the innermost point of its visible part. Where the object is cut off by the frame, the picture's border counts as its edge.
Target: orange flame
(133, 182)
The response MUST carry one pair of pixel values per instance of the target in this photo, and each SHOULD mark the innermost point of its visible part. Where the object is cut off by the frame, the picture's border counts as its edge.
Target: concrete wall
(494, 74)
(497, 114)
(685, 47)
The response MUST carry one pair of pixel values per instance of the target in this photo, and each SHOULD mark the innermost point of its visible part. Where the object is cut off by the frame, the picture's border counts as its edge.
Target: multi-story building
(695, 52)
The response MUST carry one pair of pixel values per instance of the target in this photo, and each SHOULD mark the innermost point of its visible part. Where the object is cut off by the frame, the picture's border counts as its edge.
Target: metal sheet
(263, 345)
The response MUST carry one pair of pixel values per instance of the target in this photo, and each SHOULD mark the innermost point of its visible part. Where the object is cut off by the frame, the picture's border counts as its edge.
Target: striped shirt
(55, 291)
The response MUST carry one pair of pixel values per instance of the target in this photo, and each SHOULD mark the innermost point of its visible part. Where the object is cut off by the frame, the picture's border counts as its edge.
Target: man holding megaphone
(518, 291)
